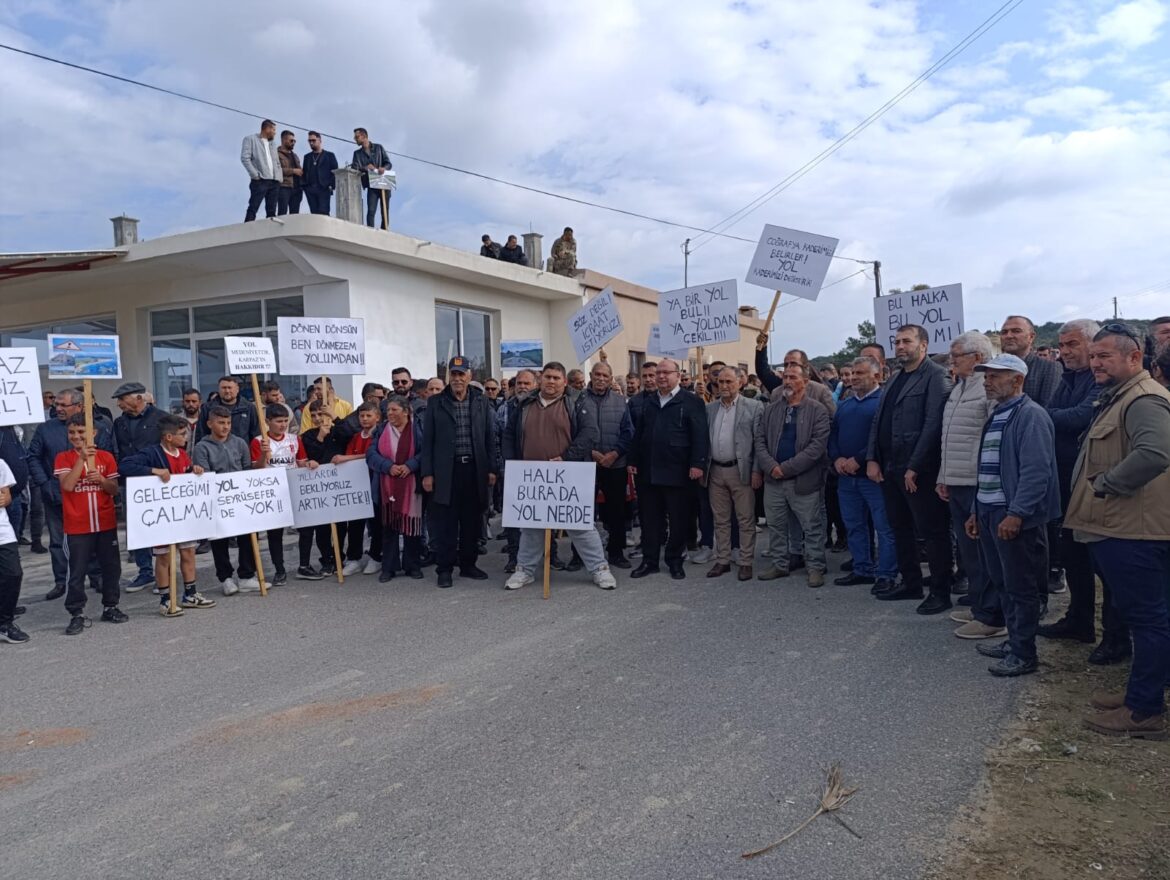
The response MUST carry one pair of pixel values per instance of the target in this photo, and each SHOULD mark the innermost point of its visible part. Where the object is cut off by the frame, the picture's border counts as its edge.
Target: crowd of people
(562, 262)
(1011, 475)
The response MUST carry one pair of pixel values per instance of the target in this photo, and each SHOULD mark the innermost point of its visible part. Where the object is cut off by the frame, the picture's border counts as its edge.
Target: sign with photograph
(84, 357)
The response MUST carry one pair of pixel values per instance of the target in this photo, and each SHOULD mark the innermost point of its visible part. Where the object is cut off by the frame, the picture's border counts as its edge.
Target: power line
(446, 167)
(1002, 12)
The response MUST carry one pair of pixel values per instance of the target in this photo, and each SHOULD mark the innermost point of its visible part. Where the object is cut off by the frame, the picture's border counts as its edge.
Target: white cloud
(1070, 103)
(285, 37)
(1132, 24)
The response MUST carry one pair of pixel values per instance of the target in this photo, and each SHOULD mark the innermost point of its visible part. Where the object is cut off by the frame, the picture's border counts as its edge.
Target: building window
(187, 347)
(634, 367)
(464, 331)
(38, 337)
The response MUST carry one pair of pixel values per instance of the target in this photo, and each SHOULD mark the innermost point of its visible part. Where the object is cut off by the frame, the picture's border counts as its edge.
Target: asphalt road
(397, 730)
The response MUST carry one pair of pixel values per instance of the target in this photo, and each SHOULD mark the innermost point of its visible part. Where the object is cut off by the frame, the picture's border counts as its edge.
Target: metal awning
(21, 265)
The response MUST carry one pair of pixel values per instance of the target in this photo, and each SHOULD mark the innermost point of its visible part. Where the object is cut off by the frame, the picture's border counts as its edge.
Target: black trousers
(324, 536)
(914, 515)
(455, 527)
(261, 191)
(318, 199)
(83, 550)
(356, 530)
(373, 201)
(614, 509)
(221, 555)
(289, 200)
(394, 560)
(676, 505)
(1080, 574)
(11, 574)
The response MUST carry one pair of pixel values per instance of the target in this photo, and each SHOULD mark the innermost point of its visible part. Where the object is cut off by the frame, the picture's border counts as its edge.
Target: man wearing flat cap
(1017, 495)
(459, 468)
(134, 431)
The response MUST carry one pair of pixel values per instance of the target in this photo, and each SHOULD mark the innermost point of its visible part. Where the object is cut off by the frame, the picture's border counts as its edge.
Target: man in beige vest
(1120, 506)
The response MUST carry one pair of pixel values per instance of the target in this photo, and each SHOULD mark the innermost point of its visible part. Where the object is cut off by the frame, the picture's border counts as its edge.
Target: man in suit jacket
(669, 454)
(259, 157)
(792, 451)
(904, 455)
(319, 165)
(733, 476)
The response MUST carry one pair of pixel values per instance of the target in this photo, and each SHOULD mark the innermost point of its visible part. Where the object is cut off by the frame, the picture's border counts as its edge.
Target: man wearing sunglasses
(319, 165)
(1120, 507)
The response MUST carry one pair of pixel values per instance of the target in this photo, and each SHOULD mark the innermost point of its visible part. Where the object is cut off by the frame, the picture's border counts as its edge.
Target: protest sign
(792, 261)
(707, 314)
(521, 354)
(387, 179)
(80, 357)
(937, 309)
(175, 512)
(321, 346)
(249, 354)
(595, 324)
(549, 494)
(252, 501)
(20, 387)
(332, 493)
(654, 346)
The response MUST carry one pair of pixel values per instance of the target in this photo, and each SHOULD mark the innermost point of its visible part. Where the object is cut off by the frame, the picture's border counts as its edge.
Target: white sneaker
(249, 585)
(351, 567)
(373, 566)
(603, 577)
(229, 586)
(705, 554)
(521, 578)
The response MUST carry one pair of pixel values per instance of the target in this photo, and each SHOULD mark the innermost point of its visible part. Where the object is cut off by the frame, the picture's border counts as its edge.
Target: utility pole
(1115, 308)
(877, 277)
(686, 261)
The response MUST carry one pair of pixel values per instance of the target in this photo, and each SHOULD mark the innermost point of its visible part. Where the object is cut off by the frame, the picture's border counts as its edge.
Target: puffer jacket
(964, 416)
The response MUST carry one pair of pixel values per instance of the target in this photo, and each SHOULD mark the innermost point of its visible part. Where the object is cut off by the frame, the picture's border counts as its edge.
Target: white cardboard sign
(792, 261)
(939, 310)
(252, 501)
(322, 346)
(249, 354)
(655, 347)
(707, 314)
(549, 494)
(332, 493)
(20, 387)
(594, 325)
(175, 512)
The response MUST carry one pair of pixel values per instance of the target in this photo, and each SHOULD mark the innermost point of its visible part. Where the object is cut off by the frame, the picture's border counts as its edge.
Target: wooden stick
(174, 578)
(768, 323)
(259, 564)
(87, 385)
(259, 405)
(547, 558)
(336, 552)
(385, 211)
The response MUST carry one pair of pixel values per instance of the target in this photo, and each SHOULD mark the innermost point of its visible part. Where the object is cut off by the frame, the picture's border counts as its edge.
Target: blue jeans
(1014, 577)
(58, 555)
(1137, 574)
(856, 495)
(145, 562)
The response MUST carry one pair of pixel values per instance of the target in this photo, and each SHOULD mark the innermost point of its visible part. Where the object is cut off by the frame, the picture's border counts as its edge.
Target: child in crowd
(91, 525)
(11, 573)
(321, 446)
(282, 449)
(222, 452)
(394, 456)
(369, 413)
(169, 456)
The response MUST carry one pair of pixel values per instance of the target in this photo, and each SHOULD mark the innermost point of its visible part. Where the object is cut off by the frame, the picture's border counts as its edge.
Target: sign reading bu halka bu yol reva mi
(249, 354)
(595, 324)
(175, 512)
(791, 261)
(549, 494)
(321, 346)
(939, 310)
(20, 387)
(252, 501)
(332, 493)
(704, 315)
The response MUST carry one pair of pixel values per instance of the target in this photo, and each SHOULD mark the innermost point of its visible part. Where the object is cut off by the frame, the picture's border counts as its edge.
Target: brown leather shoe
(745, 572)
(1125, 722)
(1107, 701)
(718, 570)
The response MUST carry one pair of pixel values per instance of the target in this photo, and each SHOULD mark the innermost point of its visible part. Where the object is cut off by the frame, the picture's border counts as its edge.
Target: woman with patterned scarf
(394, 458)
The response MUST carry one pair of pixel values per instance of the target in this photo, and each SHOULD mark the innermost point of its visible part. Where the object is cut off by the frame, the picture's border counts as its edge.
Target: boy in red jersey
(91, 526)
(278, 449)
(369, 414)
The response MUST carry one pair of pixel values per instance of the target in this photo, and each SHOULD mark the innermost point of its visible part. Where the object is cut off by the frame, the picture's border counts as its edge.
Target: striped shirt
(990, 482)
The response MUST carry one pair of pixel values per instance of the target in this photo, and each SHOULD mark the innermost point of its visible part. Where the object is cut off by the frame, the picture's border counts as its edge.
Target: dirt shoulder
(1060, 801)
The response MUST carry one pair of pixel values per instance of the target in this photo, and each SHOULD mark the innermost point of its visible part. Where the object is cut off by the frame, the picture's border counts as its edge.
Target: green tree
(866, 333)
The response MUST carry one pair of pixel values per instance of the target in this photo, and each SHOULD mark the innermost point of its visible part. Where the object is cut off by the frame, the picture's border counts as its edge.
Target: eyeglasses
(664, 372)
(1122, 329)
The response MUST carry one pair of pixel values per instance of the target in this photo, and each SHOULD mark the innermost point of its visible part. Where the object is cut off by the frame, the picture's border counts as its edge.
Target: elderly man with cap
(459, 467)
(1017, 496)
(134, 431)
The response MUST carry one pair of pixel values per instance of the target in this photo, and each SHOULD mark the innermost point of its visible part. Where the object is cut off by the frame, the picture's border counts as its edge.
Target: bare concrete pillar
(348, 188)
(532, 250)
(125, 230)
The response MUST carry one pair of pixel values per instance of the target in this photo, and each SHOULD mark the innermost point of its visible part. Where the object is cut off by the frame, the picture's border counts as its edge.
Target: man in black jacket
(135, 431)
(459, 467)
(245, 420)
(318, 166)
(511, 252)
(366, 158)
(669, 455)
(904, 455)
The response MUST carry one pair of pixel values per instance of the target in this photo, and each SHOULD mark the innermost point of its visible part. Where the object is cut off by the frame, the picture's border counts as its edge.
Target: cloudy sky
(1031, 169)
